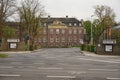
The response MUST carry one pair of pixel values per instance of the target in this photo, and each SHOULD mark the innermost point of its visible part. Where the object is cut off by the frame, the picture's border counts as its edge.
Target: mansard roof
(65, 20)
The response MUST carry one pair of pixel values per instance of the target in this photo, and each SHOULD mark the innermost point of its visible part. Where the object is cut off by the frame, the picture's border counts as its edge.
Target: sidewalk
(97, 55)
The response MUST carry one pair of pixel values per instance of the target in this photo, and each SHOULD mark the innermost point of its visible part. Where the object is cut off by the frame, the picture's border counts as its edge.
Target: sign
(108, 48)
(13, 40)
(109, 41)
(13, 45)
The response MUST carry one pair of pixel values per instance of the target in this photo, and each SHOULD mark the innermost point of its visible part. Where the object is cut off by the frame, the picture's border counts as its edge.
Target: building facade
(62, 32)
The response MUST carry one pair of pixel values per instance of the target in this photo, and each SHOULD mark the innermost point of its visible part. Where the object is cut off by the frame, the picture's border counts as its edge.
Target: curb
(96, 55)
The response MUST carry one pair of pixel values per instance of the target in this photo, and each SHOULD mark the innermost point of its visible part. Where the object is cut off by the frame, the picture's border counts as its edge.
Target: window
(57, 39)
(44, 31)
(75, 31)
(51, 31)
(80, 24)
(70, 31)
(75, 38)
(70, 24)
(51, 40)
(69, 39)
(75, 24)
(63, 31)
(40, 40)
(79, 31)
(63, 39)
(45, 24)
(57, 31)
(44, 39)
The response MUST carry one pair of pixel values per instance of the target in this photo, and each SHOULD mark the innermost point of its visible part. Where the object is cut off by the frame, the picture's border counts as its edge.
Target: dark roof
(13, 24)
(66, 20)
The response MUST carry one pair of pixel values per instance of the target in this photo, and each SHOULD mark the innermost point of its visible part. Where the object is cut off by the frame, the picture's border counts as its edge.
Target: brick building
(62, 32)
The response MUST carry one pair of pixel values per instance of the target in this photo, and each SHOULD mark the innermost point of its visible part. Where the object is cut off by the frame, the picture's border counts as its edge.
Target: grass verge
(3, 55)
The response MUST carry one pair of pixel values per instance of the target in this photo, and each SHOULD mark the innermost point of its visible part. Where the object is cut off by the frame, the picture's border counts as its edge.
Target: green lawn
(3, 55)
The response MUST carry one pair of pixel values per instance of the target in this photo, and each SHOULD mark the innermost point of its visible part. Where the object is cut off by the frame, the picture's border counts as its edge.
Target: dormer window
(45, 24)
(70, 24)
(75, 24)
(80, 24)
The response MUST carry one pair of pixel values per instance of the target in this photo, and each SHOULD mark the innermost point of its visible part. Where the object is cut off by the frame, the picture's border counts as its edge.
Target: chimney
(48, 16)
(66, 16)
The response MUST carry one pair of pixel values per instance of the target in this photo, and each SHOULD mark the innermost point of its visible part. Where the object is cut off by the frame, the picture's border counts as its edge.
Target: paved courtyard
(59, 64)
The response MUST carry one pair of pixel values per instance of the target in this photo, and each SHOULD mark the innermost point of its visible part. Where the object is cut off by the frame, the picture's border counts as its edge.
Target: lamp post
(91, 41)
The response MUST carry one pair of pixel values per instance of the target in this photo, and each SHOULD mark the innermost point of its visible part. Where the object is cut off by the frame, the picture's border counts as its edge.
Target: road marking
(113, 78)
(38, 63)
(61, 76)
(99, 60)
(76, 72)
(6, 66)
(50, 68)
(10, 75)
(103, 69)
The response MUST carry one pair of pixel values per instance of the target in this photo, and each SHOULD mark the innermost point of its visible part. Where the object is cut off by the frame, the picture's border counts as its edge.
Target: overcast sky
(81, 9)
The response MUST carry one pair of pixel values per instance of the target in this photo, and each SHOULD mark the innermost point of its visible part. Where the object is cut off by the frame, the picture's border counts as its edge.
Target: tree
(106, 18)
(116, 35)
(87, 25)
(7, 8)
(30, 14)
(8, 32)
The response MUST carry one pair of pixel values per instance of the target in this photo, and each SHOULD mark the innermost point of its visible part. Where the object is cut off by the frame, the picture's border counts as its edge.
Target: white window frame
(51, 31)
(70, 31)
(75, 31)
(70, 24)
(57, 31)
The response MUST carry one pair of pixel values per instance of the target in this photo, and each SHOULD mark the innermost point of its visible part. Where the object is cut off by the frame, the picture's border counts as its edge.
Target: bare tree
(30, 14)
(7, 8)
(106, 18)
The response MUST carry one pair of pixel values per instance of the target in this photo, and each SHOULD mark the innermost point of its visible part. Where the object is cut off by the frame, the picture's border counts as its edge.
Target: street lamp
(91, 41)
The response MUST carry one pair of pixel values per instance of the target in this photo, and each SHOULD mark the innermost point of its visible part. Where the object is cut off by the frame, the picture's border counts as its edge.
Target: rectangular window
(75, 31)
(70, 31)
(44, 31)
(75, 24)
(63, 39)
(57, 31)
(70, 24)
(63, 31)
(69, 39)
(51, 31)
(51, 40)
(75, 38)
(79, 31)
(40, 40)
(44, 39)
(80, 24)
(57, 39)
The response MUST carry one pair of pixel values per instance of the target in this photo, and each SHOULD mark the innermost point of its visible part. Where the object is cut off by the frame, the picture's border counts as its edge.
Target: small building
(110, 46)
